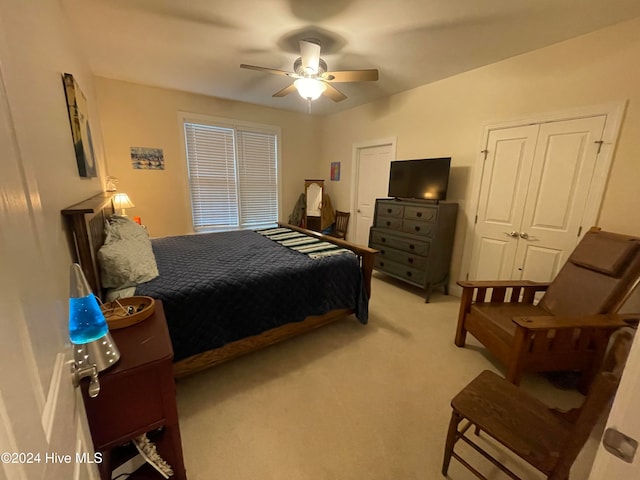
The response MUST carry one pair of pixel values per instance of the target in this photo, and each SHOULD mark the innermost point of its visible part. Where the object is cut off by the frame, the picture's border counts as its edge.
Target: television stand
(415, 240)
(417, 200)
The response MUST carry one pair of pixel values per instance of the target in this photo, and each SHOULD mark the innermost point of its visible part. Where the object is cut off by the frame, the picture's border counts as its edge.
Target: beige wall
(441, 119)
(141, 116)
(447, 117)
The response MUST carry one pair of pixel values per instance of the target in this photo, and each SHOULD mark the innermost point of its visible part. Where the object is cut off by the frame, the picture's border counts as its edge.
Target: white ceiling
(198, 45)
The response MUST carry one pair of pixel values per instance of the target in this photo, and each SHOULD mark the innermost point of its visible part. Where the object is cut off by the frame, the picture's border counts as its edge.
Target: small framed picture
(335, 171)
(144, 158)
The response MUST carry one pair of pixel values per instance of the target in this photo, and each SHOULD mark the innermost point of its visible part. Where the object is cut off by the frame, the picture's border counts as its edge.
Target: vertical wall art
(80, 129)
(147, 158)
(335, 171)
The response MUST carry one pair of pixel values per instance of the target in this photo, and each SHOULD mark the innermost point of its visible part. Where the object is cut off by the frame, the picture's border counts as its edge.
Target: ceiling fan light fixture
(310, 88)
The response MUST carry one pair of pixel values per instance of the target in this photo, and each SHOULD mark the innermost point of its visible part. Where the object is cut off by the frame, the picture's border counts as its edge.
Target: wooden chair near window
(339, 229)
(546, 438)
(569, 327)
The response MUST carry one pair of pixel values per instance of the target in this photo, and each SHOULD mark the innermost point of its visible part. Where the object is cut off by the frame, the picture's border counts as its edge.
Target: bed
(226, 294)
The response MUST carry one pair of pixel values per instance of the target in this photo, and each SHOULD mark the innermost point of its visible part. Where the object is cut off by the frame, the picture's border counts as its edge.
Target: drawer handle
(410, 260)
(419, 214)
(408, 274)
(382, 264)
(412, 247)
(389, 210)
(388, 223)
(416, 228)
(382, 239)
(382, 252)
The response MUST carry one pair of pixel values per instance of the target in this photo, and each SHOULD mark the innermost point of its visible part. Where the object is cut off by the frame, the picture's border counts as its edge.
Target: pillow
(126, 258)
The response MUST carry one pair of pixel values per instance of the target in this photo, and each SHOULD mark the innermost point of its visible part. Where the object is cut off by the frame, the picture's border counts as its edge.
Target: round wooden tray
(128, 311)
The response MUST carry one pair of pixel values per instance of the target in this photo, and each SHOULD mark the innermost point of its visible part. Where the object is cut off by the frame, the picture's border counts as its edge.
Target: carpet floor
(348, 401)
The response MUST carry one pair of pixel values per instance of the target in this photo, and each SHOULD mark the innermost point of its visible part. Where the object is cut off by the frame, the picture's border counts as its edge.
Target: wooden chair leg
(452, 437)
(465, 306)
(516, 360)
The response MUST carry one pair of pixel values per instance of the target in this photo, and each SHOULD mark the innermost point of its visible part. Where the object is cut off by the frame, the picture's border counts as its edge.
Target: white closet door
(561, 177)
(533, 196)
(505, 176)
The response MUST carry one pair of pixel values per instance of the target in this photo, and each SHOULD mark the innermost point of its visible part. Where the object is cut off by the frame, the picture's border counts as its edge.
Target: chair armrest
(501, 284)
(511, 291)
(559, 322)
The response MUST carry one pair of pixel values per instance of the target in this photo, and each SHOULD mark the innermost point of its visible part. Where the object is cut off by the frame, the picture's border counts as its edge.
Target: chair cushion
(498, 316)
(604, 254)
(597, 277)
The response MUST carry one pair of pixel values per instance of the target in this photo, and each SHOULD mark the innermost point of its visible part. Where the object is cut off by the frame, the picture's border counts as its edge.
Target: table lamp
(93, 348)
(121, 202)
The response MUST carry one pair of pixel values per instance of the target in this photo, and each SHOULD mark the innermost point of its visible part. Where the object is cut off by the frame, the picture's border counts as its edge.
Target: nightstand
(138, 395)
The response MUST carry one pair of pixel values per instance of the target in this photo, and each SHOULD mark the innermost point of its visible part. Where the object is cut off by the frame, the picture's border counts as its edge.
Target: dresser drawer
(394, 223)
(403, 272)
(425, 214)
(405, 258)
(390, 209)
(399, 242)
(418, 228)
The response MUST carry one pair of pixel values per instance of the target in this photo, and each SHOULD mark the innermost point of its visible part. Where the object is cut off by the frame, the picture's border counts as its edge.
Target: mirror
(313, 190)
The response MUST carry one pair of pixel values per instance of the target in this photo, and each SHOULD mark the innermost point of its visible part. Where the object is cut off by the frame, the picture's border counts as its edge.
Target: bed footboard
(365, 254)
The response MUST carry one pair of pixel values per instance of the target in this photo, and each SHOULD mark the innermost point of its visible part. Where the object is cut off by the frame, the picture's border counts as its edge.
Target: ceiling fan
(312, 77)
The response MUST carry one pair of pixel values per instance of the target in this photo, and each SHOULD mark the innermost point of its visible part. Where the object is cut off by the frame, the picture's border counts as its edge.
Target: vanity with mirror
(314, 191)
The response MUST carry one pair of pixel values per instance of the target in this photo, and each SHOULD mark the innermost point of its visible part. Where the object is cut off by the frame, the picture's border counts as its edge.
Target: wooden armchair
(546, 438)
(569, 328)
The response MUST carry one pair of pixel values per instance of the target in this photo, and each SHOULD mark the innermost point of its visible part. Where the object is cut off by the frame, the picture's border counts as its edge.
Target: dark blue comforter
(220, 287)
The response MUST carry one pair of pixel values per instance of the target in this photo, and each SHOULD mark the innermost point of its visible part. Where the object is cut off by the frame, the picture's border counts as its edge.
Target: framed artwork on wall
(80, 128)
(335, 171)
(145, 158)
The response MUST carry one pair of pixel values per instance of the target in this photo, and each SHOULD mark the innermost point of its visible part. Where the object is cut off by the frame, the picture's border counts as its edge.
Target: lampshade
(121, 201)
(88, 329)
(310, 88)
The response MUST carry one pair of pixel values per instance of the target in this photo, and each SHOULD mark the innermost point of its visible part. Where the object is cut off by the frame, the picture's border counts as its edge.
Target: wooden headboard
(85, 221)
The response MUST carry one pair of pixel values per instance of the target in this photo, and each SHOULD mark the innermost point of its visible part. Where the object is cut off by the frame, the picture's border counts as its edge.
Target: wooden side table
(138, 395)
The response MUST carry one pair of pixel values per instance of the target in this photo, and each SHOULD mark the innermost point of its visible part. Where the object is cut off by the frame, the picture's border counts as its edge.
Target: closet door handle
(524, 235)
(511, 234)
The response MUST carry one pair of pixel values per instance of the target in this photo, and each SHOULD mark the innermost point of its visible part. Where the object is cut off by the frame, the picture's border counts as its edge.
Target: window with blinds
(233, 176)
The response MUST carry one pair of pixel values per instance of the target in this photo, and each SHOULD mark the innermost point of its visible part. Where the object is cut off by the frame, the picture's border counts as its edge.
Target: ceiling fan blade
(285, 91)
(265, 69)
(333, 93)
(310, 54)
(351, 76)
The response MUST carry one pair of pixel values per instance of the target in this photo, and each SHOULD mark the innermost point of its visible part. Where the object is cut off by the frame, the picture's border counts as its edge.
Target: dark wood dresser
(415, 239)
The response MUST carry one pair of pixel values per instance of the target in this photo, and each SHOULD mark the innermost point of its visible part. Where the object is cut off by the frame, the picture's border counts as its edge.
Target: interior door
(507, 167)
(563, 167)
(625, 419)
(372, 170)
(533, 195)
(40, 412)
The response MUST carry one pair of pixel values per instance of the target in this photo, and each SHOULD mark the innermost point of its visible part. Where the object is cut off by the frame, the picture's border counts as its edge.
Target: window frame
(223, 122)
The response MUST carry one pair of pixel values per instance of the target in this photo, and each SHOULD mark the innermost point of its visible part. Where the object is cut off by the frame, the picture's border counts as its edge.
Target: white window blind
(233, 176)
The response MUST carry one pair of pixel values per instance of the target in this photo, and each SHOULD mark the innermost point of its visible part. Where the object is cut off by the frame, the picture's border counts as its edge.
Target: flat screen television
(425, 179)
